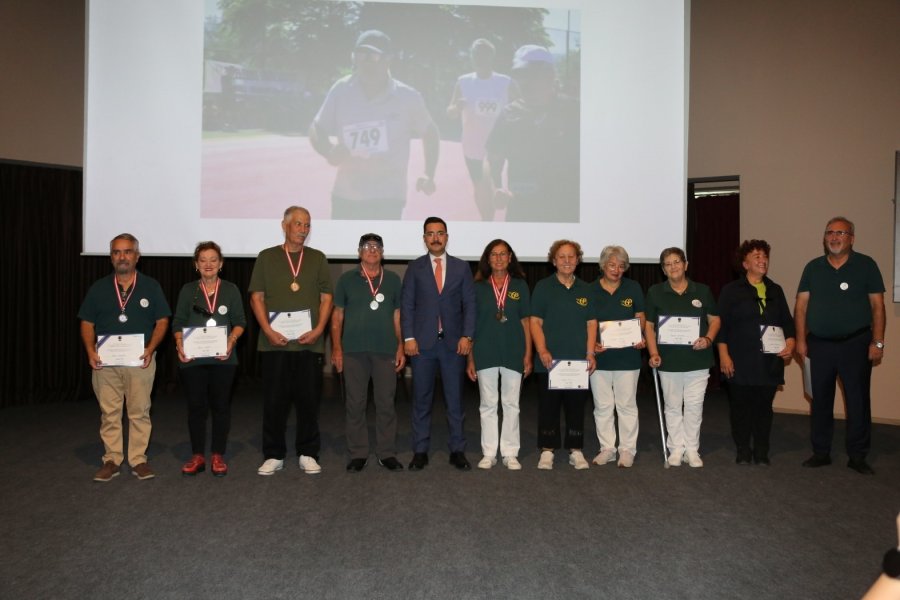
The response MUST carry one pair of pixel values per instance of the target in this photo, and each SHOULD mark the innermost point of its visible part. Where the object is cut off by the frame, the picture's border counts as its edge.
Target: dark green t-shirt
(501, 344)
(839, 298)
(624, 303)
(565, 313)
(144, 308)
(272, 276)
(367, 330)
(696, 301)
(228, 311)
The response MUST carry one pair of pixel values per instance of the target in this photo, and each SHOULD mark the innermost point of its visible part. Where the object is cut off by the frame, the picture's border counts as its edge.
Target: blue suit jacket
(421, 305)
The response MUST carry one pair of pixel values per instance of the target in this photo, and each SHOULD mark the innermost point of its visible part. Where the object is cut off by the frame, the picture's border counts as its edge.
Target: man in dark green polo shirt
(366, 344)
(840, 321)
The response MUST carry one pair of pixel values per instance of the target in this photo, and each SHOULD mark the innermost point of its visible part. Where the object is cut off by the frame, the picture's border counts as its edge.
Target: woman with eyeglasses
(501, 354)
(682, 322)
(208, 310)
(755, 342)
(619, 303)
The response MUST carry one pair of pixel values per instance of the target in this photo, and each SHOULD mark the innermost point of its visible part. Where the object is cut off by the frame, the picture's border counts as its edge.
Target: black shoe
(762, 460)
(743, 457)
(418, 462)
(391, 464)
(356, 465)
(817, 460)
(860, 466)
(459, 460)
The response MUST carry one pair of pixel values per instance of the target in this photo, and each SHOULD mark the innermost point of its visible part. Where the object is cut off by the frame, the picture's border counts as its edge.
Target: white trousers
(615, 399)
(505, 394)
(683, 394)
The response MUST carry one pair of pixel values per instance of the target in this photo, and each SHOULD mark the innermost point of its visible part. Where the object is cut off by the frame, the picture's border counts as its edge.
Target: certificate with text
(569, 375)
(291, 324)
(677, 331)
(620, 334)
(121, 350)
(204, 342)
(772, 339)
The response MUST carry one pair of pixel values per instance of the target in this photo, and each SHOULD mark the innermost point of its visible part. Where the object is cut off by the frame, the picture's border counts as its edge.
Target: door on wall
(713, 230)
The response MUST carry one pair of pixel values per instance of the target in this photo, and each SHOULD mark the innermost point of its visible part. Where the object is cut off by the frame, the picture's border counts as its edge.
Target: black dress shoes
(418, 462)
(356, 465)
(743, 456)
(860, 466)
(761, 459)
(817, 460)
(391, 464)
(459, 460)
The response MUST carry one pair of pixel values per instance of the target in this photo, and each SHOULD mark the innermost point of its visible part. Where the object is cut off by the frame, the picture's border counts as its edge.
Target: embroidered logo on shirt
(581, 301)
(513, 295)
(627, 302)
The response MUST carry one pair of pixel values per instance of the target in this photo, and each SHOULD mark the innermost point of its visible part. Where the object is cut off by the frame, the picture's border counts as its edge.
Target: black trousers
(291, 378)
(849, 360)
(549, 403)
(208, 390)
(751, 417)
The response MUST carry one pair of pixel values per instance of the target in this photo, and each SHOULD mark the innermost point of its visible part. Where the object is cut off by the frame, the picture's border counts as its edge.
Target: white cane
(662, 427)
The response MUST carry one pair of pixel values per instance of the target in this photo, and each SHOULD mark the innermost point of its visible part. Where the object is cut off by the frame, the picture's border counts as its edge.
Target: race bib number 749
(367, 138)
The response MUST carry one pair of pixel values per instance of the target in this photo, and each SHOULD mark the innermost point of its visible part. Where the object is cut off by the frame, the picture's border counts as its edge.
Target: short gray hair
(128, 237)
(844, 220)
(291, 210)
(614, 252)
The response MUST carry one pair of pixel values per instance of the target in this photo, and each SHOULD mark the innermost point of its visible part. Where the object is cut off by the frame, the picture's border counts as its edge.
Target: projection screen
(199, 117)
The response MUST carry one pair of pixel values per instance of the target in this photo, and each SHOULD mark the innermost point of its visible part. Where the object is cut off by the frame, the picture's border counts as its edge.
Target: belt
(844, 338)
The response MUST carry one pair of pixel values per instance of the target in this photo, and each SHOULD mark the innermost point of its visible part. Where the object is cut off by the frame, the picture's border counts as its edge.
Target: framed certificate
(203, 342)
(569, 375)
(121, 350)
(677, 331)
(291, 324)
(772, 339)
(620, 334)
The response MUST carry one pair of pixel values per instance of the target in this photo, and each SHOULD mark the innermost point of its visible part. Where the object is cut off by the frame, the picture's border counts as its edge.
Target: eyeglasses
(499, 254)
(432, 234)
(371, 248)
(615, 267)
(837, 232)
(674, 263)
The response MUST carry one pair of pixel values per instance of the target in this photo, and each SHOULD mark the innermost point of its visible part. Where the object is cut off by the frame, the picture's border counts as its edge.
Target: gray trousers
(358, 368)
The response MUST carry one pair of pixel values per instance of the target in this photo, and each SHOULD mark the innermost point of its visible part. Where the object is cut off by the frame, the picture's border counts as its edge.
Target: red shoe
(197, 464)
(219, 468)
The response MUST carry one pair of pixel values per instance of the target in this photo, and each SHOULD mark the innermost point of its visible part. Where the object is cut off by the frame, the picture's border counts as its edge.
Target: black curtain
(43, 359)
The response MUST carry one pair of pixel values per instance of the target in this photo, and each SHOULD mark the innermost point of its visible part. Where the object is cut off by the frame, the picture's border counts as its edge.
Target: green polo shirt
(501, 344)
(622, 304)
(367, 330)
(228, 311)
(565, 313)
(696, 301)
(839, 298)
(145, 307)
(272, 276)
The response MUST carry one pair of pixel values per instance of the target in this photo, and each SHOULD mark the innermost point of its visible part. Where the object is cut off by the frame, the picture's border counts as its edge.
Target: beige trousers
(128, 386)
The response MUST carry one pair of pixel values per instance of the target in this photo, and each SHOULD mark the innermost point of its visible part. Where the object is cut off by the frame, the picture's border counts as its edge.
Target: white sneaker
(692, 458)
(309, 465)
(546, 462)
(512, 463)
(270, 466)
(626, 459)
(487, 462)
(675, 457)
(606, 455)
(577, 460)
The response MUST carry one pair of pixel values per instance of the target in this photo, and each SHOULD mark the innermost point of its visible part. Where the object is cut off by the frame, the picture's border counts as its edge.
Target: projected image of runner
(387, 111)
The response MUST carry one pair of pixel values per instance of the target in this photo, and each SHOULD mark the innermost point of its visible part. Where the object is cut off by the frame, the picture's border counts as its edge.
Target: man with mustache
(123, 304)
(840, 319)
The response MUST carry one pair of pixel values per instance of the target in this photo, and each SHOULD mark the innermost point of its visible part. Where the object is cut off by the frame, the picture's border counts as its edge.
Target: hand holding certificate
(677, 331)
(203, 342)
(620, 334)
(121, 350)
(569, 375)
(772, 339)
(291, 324)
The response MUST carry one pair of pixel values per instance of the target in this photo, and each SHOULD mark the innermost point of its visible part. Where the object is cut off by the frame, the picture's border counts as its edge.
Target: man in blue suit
(437, 317)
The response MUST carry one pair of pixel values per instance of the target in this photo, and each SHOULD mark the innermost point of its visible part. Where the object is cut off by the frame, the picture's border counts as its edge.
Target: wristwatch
(878, 344)
(891, 563)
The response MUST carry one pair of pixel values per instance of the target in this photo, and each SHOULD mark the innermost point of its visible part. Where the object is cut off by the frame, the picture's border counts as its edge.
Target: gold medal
(295, 287)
